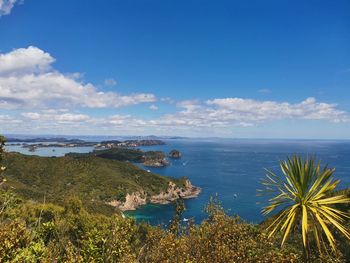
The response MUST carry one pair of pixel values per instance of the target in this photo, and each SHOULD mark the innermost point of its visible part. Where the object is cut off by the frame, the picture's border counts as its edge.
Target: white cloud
(167, 100)
(189, 105)
(110, 82)
(123, 120)
(153, 107)
(6, 6)
(256, 111)
(27, 80)
(217, 116)
(31, 115)
(8, 123)
(235, 112)
(25, 60)
(55, 117)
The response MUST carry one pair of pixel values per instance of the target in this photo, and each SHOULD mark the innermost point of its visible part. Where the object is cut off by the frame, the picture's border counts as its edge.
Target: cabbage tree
(304, 195)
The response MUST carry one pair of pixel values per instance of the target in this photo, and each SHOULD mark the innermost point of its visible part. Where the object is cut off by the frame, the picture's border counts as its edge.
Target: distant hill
(41, 139)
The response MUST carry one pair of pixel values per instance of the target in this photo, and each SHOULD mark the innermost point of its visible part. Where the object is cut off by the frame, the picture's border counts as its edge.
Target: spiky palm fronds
(303, 193)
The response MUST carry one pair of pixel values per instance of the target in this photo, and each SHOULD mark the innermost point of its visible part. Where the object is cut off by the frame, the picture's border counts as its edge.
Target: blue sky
(275, 69)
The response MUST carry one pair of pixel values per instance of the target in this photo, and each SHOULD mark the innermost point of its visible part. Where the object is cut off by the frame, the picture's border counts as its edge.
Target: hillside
(120, 154)
(148, 158)
(94, 180)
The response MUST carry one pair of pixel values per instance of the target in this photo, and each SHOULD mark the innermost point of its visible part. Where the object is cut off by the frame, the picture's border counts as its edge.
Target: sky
(237, 69)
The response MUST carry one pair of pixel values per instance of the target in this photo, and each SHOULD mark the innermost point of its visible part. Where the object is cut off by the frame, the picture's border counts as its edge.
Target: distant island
(129, 143)
(175, 154)
(34, 143)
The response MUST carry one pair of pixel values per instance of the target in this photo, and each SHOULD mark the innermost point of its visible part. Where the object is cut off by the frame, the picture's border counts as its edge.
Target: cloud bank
(28, 80)
(34, 96)
(212, 115)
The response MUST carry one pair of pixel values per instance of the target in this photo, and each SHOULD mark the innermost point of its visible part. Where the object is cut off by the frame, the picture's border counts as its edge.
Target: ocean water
(230, 169)
(49, 151)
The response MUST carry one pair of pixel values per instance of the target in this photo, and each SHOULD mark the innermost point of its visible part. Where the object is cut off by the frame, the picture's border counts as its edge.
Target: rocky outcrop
(175, 154)
(173, 192)
(132, 201)
(156, 163)
(155, 159)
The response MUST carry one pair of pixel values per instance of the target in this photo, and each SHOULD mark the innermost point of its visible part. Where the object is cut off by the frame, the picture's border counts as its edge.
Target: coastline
(173, 192)
(237, 174)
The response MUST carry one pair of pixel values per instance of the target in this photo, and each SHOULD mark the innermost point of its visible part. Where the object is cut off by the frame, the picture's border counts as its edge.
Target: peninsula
(105, 186)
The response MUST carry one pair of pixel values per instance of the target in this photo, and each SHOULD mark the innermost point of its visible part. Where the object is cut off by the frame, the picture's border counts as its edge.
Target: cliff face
(155, 159)
(132, 201)
(173, 192)
(156, 163)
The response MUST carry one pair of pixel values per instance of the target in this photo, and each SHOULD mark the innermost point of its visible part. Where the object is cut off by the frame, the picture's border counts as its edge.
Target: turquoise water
(232, 169)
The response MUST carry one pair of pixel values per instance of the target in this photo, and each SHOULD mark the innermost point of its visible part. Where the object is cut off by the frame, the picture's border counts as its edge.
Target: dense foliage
(122, 154)
(2, 147)
(32, 231)
(44, 232)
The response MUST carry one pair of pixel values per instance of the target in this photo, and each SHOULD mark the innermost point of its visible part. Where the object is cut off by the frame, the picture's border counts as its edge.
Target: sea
(229, 170)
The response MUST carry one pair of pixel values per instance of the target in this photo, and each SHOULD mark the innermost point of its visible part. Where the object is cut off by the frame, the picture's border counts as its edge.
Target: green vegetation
(120, 154)
(125, 154)
(154, 155)
(37, 232)
(92, 179)
(2, 145)
(62, 228)
(303, 192)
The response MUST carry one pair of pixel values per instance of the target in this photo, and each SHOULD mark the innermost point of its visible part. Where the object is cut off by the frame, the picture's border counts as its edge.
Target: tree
(175, 225)
(304, 193)
(2, 149)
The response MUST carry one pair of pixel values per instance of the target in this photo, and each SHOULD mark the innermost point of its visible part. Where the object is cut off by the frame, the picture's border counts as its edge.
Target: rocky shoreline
(173, 192)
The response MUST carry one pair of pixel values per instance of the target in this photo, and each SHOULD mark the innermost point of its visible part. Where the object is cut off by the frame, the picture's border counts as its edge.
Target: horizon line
(180, 137)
